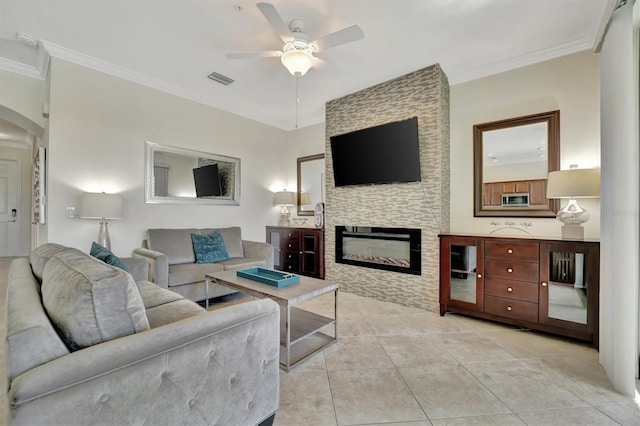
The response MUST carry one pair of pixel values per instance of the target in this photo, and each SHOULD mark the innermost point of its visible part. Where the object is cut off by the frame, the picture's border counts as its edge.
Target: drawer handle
(543, 284)
(289, 256)
(509, 308)
(289, 234)
(479, 275)
(289, 245)
(509, 289)
(510, 251)
(509, 270)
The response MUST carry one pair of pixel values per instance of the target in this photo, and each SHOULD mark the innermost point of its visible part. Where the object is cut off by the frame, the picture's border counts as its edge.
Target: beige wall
(98, 128)
(569, 84)
(302, 142)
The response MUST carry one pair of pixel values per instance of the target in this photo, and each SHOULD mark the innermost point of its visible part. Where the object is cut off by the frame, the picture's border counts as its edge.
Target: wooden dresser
(550, 285)
(297, 250)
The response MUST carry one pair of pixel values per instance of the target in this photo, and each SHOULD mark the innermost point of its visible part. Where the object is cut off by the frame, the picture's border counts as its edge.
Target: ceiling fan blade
(273, 17)
(249, 55)
(346, 35)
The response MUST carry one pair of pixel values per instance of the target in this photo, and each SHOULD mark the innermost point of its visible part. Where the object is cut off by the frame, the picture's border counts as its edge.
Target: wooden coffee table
(300, 330)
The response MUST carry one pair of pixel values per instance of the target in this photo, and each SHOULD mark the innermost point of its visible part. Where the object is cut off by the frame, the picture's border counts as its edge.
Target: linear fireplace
(391, 249)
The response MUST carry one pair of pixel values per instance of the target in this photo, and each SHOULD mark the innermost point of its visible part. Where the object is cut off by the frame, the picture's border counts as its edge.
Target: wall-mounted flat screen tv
(382, 154)
(207, 181)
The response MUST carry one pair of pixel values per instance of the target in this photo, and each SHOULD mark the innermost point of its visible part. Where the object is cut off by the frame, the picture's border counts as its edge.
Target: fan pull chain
(297, 100)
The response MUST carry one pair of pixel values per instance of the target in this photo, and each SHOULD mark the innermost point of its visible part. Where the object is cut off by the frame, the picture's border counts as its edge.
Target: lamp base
(285, 217)
(103, 235)
(572, 231)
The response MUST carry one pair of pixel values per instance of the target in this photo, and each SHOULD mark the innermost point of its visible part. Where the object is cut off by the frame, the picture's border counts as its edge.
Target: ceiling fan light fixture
(297, 61)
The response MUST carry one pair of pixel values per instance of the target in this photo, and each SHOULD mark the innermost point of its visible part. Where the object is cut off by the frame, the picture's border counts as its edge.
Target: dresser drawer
(290, 245)
(511, 270)
(291, 266)
(527, 292)
(289, 234)
(511, 308)
(511, 251)
(290, 256)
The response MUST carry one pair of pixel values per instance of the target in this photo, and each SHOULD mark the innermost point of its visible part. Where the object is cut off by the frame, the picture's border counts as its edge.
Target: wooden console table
(297, 250)
(550, 285)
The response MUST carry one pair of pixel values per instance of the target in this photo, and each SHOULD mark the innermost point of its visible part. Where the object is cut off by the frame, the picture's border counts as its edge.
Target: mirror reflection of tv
(388, 153)
(207, 181)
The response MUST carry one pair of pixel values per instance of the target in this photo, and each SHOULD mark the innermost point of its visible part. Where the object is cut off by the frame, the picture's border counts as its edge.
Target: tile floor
(401, 366)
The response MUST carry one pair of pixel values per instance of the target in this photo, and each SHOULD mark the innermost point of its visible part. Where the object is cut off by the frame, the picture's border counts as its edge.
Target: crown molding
(96, 64)
(69, 55)
(601, 29)
(521, 61)
(39, 70)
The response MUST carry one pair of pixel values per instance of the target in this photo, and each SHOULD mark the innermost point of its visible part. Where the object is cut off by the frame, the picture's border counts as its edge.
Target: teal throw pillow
(209, 248)
(104, 254)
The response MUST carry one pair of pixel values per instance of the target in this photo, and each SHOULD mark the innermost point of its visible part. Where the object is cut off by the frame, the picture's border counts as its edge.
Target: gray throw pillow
(90, 302)
(41, 255)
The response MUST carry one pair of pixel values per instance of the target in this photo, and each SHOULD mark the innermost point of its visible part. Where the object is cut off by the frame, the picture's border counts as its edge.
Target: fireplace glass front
(391, 249)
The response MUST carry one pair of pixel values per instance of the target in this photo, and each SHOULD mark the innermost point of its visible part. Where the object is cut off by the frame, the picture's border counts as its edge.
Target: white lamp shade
(98, 205)
(297, 62)
(574, 183)
(284, 198)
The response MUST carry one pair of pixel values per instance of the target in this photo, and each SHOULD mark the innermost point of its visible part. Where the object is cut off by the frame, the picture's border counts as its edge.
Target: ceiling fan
(297, 51)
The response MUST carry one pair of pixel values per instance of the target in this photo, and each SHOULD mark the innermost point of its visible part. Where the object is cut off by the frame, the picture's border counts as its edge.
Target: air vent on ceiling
(222, 79)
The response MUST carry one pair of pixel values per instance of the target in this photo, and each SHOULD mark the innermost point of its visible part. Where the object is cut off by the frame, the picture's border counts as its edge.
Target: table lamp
(571, 184)
(284, 198)
(99, 205)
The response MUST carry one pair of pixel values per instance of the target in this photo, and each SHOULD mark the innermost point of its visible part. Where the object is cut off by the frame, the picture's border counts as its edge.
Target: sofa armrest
(219, 367)
(138, 267)
(158, 265)
(258, 250)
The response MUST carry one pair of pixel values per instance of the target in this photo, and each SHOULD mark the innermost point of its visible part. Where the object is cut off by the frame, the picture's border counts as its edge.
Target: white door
(9, 218)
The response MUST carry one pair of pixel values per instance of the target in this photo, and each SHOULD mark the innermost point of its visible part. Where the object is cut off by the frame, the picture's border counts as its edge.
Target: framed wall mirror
(310, 183)
(182, 176)
(512, 159)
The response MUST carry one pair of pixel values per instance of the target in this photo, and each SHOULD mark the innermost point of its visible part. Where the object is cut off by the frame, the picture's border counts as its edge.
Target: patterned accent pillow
(209, 248)
(104, 254)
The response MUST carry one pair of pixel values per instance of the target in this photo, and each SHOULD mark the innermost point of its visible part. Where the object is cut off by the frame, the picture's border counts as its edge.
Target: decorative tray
(269, 276)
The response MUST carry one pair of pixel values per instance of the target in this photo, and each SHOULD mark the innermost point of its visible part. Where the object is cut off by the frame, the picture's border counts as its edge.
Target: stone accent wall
(424, 205)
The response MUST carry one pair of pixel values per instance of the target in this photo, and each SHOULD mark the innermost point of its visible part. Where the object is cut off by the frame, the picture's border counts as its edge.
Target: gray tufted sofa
(173, 261)
(183, 366)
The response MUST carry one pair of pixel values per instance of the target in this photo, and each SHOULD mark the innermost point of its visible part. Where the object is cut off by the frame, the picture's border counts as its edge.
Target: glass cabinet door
(461, 273)
(274, 240)
(569, 289)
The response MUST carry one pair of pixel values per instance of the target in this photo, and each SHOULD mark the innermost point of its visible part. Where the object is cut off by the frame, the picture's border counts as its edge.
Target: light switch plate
(71, 212)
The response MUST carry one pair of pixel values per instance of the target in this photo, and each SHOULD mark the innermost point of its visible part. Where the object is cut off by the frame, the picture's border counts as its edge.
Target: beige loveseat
(86, 344)
(173, 261)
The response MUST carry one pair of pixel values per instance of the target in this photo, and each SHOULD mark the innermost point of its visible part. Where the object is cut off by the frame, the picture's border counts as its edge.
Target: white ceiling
(172, 45)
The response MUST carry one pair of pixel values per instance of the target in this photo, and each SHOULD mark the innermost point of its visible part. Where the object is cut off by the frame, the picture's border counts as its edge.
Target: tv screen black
(207, 181)
(382, 154)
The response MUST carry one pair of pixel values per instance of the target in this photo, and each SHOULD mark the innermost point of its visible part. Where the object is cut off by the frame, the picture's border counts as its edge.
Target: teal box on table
(269, 276)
